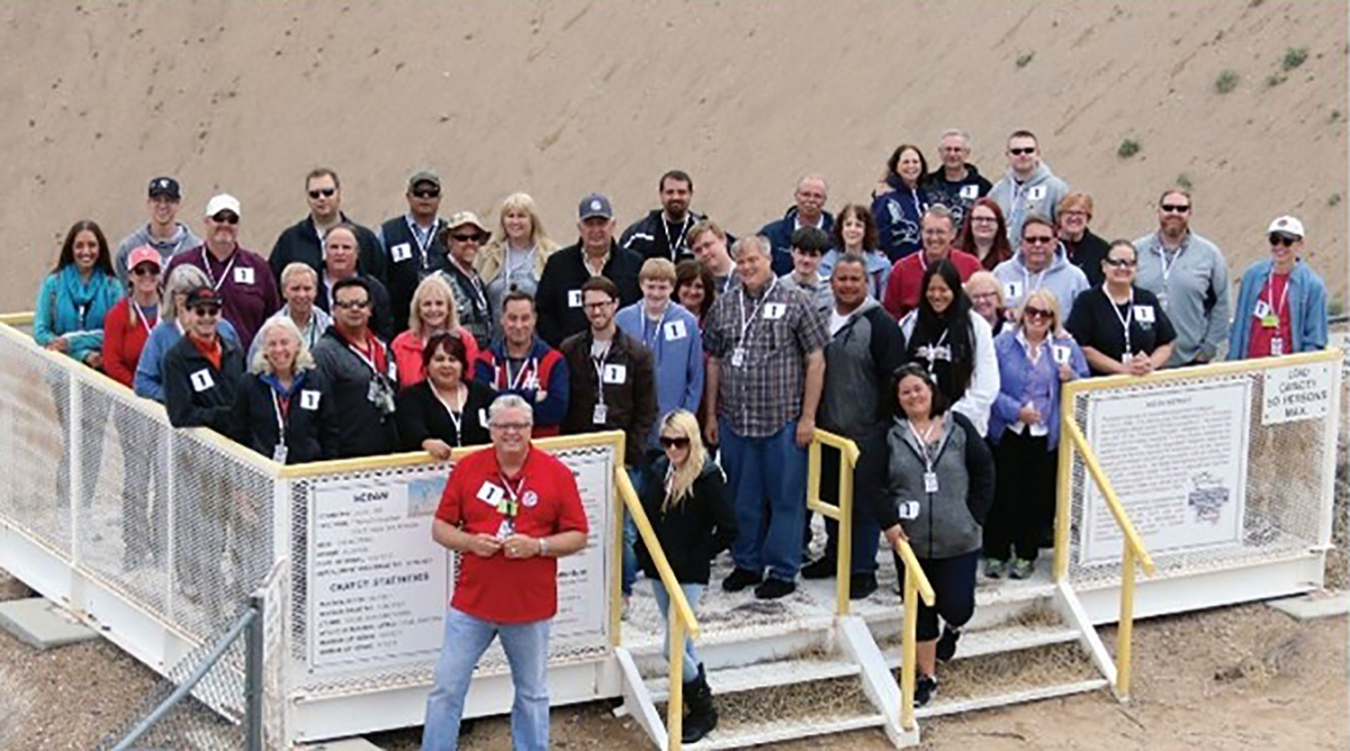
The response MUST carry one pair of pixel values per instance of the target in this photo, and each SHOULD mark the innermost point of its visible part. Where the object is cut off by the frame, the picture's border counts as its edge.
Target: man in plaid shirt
(765, 369)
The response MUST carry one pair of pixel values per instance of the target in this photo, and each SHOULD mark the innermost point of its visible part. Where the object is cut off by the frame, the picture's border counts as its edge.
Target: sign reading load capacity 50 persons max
(377, 585)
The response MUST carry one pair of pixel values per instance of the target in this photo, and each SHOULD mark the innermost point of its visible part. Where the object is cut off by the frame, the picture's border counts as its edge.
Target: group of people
(934, 327)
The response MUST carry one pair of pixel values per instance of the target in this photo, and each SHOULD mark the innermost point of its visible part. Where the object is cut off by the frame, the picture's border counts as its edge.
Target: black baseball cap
(165, 186)
(204, 296)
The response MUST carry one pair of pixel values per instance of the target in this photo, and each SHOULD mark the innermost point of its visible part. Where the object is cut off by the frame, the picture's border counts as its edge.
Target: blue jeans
(466, 638)
(768, 476)
(692, 593)
(630, 535)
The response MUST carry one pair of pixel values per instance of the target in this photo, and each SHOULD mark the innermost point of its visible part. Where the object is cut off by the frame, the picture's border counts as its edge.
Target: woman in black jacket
(930, 480)
(284, 409)
(685, 498)
(447, 409)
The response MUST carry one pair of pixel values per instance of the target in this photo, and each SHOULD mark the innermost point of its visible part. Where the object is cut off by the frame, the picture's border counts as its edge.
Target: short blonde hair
(434, 284)
(303, 359)
(521, 202)
(707, 225)
(296, 267)
(657, 269)
(988, 279)
(1047, 301)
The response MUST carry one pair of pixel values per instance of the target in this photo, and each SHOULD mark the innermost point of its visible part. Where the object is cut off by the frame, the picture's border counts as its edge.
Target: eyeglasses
(510, 427)
(678, 442)
(324, 192)
(978, 296)
(1285, 240)
(598, 305)
(347, 304)
(1030, 312)
(1173, 208)
(1121, 263)
(206, 311)
(1020, 152)
(1038, 240)
(1073, 212)
(467, 238)
(984, 219)
(225, 217)
(426, 193)
(145, 270)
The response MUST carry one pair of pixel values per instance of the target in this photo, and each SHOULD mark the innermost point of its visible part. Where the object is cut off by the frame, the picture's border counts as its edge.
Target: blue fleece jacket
(677, 353)
(1307, 295)
(73, 309)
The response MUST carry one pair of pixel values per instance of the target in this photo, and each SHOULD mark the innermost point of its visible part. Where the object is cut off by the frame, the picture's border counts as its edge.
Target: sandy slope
(559, 98)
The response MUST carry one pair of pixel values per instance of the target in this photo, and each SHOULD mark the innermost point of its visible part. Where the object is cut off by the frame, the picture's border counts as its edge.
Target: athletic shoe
(924, 690)
(772, 589)
(740, 579)
(861, 585)
(823, 568)
(1021, 568)
(946, 646)
(994, 568)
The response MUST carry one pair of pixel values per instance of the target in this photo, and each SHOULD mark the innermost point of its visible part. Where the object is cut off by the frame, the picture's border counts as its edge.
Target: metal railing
(841, 513)
(681, 618)
(916, 586)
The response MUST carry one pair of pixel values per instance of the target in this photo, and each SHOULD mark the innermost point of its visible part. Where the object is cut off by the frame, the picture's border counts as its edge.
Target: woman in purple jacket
(1034, 358)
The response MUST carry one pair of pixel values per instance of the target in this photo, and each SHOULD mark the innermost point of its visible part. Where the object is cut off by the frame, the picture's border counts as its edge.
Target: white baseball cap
(223, 202)
(1287, 225)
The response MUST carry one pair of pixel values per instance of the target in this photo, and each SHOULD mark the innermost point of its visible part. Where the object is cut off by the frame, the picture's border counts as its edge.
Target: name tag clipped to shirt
(1036, 193)
(1263, 312)
(201, 380)
(482, 417)
(1012, 289)
(675, 330)
(490, 494)
(279, 453)
(243, 275)
(969, 192)
(774, 310)
(309, 399)
(930, 482)
(401, 252)
(1061, 354)
(1143, 313)
(615, 374)
(574, 298)
(908, 510)
(600, 414)
(738, 357)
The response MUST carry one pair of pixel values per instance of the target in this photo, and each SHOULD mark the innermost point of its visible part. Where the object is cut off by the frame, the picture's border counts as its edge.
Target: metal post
(1064, 486)
(910, 651)
(844, 550)
(675, 704)
(253, 676)
(170, 533)
(1126, 626)
(74, 462)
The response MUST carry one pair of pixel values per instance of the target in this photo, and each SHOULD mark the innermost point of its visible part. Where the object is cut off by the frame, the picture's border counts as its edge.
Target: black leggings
(953, 581)
(1024, 496)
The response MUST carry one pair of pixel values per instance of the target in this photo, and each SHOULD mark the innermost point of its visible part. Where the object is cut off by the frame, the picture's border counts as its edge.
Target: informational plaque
(378, 585)
(1177, 459)
(1298, 392)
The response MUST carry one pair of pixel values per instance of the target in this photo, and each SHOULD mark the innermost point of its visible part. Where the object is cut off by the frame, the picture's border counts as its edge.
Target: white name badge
(401, 252)
(1143, 313)
(908, 510)
(1276, 346)
(1262, 309)
(243, 275)
(970, 192)
(774, 310)
(279, 453)
(1036, 193)
(1061, 354)
(574, 298)
(1012, 289)
(930, 482)
(600, 415)
(614, 374)
(482, 417)
(738, 357)
(201, 380)
(675, 330)
(490, 494)
(309, 399)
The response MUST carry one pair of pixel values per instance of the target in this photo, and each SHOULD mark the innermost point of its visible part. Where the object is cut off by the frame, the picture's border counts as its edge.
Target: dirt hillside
(560, 98)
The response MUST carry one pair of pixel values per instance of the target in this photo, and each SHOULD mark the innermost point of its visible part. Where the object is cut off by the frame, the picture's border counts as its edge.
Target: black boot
(702, 717)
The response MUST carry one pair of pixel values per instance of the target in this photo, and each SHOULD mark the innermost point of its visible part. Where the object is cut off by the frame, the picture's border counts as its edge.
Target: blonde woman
(986, 298)
(432, 312)
(685, 498)
(284, 409)
(1034, 358)
(514, 260)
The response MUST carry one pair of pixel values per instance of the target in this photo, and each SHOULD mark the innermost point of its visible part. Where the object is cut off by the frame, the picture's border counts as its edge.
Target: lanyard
(509, 505)
(206, 265)
(1126, 319)
(367, 359)
(1270, 293)
(140, 316)
(754, 314)
(480, 297)
(1027, 289)
(679, 241)
(423, 239)
(646, 321)
(281, 416)
(456, 418)
(599, 364)
(923, 442)
(1162, 258)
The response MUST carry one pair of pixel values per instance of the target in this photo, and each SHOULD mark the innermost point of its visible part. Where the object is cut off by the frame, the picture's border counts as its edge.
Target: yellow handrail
(916, 586)
(681, 616)
(842, 513)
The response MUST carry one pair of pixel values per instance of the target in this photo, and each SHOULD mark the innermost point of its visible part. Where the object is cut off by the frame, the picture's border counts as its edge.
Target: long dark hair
(930, 325)
(894, 161)
(102, 263)
(1002, 249)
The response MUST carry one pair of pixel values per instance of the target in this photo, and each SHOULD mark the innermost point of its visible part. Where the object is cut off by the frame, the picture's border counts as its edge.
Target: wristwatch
(543, 547)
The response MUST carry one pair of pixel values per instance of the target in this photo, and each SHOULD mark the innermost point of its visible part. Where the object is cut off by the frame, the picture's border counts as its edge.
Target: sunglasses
(1285, 240)
(145, 269)
(1038, 240)
(1173, 208)
(1038, 313)
(324, 192)
(425, 193)
(1121, 263)
(225, 218)
(467, 238)
(1020, 152)
(351, 304)
(674, 441)
(206, 311)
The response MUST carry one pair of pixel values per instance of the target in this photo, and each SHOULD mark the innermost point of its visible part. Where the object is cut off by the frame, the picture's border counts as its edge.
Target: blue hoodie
(899, 214)
(677, 353)
(1064, 279)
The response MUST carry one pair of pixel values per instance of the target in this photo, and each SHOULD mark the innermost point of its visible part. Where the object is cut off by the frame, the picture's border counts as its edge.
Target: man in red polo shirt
(511, 510)
(939, 230)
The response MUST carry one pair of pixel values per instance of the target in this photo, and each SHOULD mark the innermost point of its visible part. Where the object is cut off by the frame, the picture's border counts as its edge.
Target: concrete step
(762, 675)
(779, 731)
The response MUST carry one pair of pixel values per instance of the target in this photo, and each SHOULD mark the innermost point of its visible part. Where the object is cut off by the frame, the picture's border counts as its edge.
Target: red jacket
(124, 335)
(902, 290)
(407, 349)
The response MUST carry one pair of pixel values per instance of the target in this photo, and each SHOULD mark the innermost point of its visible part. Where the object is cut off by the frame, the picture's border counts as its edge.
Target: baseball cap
(203, 296)
(462, 218)
(595, 205)
(1287, 225)
(223, 202)
(144, 254)
(165, 186)
(423, 176)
